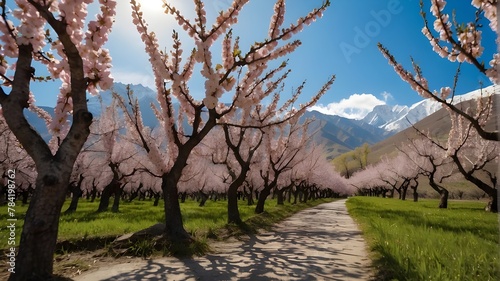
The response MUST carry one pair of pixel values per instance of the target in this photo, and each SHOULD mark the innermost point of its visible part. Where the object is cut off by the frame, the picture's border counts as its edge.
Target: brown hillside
(438, 124)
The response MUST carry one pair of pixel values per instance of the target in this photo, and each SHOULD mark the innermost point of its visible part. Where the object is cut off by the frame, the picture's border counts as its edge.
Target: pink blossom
(210, 102)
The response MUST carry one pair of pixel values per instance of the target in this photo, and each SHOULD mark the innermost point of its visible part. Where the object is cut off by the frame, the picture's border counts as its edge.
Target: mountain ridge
(437, 124)
(397, 118)
(338, 134)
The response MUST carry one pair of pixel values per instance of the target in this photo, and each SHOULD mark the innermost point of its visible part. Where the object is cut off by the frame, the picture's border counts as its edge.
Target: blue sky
(343, 42)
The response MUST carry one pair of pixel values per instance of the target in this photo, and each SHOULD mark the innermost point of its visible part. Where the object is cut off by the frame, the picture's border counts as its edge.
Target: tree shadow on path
(321, 243)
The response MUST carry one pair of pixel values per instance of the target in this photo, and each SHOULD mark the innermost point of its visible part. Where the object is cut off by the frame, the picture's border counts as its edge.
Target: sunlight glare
(156, 6)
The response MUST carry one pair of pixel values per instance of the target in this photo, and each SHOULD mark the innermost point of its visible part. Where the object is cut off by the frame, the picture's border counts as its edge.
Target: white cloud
(143, 78)
(356, 106)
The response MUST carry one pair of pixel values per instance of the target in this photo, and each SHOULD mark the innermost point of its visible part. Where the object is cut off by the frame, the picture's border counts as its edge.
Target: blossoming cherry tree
(245, 75)
(55, 35)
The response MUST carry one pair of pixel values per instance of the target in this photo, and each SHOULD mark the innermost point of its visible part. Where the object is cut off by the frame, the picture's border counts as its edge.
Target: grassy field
(201, 222)
(418, 241)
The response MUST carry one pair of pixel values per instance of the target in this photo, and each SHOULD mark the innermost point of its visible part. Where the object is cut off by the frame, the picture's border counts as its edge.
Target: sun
(156, 6)
(154, 12)
(148, 6)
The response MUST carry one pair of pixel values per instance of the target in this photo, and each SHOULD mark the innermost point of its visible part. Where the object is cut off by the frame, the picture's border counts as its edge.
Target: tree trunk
(443, 199)
(296, 194)
(443, 193)
(233, 213)
(3, 194)
(491, 190)
(415, 193)
(106, 195)
(35, 258)
(249, 195)
(174, 230)
(94, 193)
(493, 202)
(157, 199)
(289, 195)
(183, 197)
(403, 193)
(203, 198)
(25, 194)
(116, 202)
(313, 194)
(76, 193)
(75, 197)
(280, 193)
(259, 208)
(136, 193)
(306, 195)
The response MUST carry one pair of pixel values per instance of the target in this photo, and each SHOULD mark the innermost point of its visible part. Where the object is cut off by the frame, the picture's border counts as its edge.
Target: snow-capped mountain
(337, 133)
(384, 114)
(391, 119)
(410, 115)
(394, 119)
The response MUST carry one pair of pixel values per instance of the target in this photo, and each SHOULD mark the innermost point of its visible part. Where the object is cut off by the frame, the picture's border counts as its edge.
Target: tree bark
(415, 193)
(38, 237)
(306, 195)
(136, 193)
(109, 190)
(493, 202)
(490, 190)
(443, 199)
(203, 198)
(25, 194)
(415, 196)
(259, 208)
(289, 195)
(3, 194)
(157, 199)
(174, 230)
(93, 192)
(280, 193)
(443, 193)
(183, 197)
(296, 193)
(249, 195)
(116, 202)
(233, 213)
(403, 193)
(76, 193)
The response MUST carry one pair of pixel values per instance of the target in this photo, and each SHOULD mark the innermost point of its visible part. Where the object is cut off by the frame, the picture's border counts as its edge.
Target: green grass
(210, 220)
(418, 241)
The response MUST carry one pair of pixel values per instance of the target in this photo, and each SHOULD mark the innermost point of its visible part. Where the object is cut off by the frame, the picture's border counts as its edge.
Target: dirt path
(321, 243)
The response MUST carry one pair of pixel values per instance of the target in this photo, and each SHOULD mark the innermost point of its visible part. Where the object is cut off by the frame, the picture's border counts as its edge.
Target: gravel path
(320, 243)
